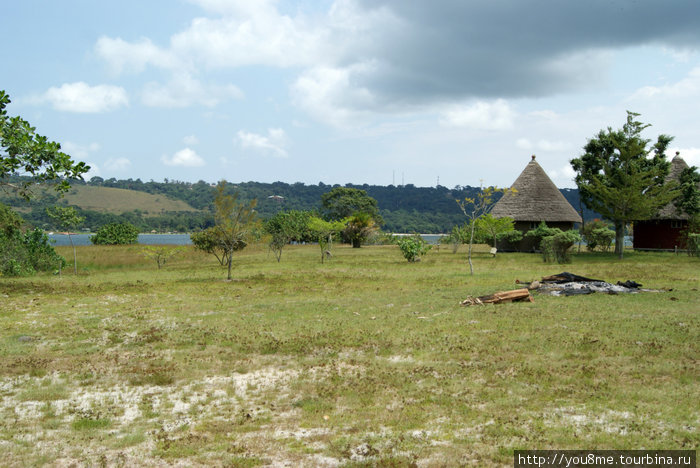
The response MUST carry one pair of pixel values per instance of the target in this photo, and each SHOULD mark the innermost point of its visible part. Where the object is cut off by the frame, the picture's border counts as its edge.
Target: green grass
(117, 201)
(366, 360)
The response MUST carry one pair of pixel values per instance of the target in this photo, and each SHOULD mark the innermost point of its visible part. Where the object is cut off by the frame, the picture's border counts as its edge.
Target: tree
(622, 178)
(358, 228)
(285, 227)
(343, 202)
(323, 231)
(689, 200)
(495, 228)
(161, 253)
(474, 208)
(68, 219)
(115, 234)
(24, 150)
(235, 226)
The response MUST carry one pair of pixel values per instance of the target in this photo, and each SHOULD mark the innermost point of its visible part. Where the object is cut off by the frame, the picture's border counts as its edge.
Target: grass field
(366, 360)
(117, 201)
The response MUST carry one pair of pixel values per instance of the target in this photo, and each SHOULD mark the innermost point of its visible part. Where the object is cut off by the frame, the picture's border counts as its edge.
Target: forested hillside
(183, 206)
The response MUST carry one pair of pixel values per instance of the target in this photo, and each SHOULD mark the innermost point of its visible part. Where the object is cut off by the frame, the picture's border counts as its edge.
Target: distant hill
(118, 200)
(183, 206)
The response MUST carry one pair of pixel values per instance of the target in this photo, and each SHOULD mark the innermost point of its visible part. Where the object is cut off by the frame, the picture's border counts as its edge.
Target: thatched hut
(663, 231)
(535, 199)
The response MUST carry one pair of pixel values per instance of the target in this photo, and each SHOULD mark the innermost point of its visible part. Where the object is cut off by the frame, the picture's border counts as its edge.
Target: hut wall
(658, 234)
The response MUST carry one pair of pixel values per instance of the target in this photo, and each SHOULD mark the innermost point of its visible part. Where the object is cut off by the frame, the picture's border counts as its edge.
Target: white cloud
(185, 157)
(482, 115)
(190, 140)
(247, 33)
(83, 98)
(93, 172)
(524, 143)
(685, 88)
(183, 90)
(564, 172)
(118, 164)
(329, 95)
(272, 144)
(124, 56)
(79, 151)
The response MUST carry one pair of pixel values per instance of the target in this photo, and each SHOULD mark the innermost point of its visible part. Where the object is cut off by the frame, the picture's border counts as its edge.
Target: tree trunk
(75, 255)
(619, 239)
(230, 261)
(469, 254)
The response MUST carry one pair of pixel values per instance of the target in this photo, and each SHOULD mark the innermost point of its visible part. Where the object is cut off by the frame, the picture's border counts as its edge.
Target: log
(500, 297)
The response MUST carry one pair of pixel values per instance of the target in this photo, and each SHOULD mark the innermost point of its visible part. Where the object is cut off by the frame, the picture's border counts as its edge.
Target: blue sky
(348, 91)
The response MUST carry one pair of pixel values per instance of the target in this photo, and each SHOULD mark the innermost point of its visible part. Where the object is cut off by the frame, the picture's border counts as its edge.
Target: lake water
(146, 239)
(167, 239)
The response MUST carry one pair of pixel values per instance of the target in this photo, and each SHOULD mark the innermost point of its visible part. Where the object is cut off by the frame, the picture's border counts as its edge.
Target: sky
(378, 92)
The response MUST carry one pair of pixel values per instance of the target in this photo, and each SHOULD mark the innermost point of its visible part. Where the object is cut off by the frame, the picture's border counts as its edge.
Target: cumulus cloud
(386, 56)
(190, 140)
(184, 90)
(481, 115)
(94, 171)
(685, 88)
(185, 157)
(272, 144)
(118, 164)
(563, 173)
(543, 145)
(82, 98)
(122, 56)
(79, 151)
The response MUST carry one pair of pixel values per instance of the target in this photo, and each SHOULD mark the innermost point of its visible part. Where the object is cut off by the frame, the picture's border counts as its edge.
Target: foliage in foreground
(24, 253)
(24, 150)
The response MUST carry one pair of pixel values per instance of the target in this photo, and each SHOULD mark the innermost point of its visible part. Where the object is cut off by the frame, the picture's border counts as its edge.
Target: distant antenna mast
(438, 182)
(402, 179)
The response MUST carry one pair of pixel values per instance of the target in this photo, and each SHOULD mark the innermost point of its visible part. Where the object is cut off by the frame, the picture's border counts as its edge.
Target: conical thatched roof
(536, 199)
(669, 211)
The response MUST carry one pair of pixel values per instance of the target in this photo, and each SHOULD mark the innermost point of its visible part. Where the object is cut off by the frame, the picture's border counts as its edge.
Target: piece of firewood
(500, 297)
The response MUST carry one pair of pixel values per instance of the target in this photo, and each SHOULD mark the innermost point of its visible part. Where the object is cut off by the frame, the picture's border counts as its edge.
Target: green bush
(115, 234)
(510, 237)
(23, 254)
(597, 233)
(541, 232)
(556, 246)
(413, 247)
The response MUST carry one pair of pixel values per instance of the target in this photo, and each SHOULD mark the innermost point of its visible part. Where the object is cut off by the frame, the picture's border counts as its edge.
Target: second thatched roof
(536, 198)
(678, 165)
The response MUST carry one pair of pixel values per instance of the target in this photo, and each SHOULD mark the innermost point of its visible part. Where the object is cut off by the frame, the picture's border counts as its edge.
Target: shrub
(541, 232)
(597, 233)
(510, 237)
(23, 254)
(413, 247)
(556, 247)
(115, 234)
